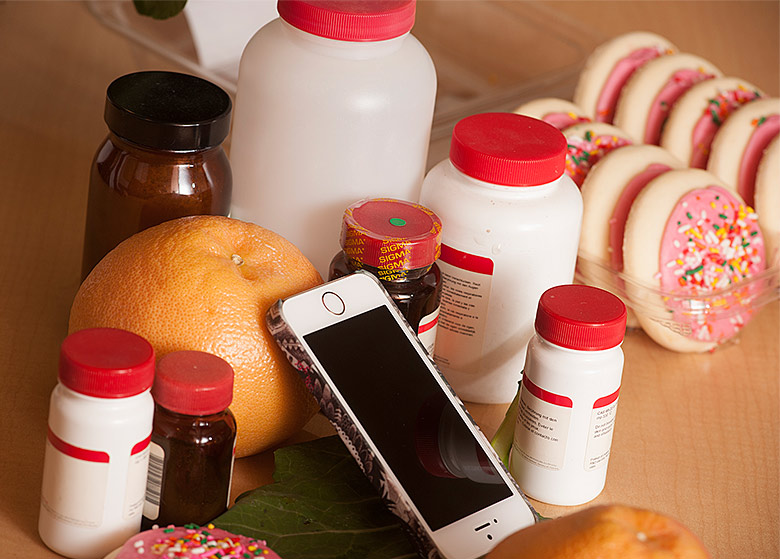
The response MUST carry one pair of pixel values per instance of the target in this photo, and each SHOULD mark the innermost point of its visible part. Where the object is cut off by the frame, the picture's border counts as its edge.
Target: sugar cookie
(740, 143)
(652, 91)
(687, 238)
(558, 112)
(699, 113)
(767, 196)
(587, 143)
(609, 67)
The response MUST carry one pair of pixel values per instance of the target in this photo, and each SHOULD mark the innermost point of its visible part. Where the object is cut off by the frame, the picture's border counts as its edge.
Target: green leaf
(159, 9)
(504, 437)
(321, 506)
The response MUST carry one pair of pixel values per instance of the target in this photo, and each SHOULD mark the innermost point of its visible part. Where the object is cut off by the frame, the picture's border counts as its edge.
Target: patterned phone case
(332, 407)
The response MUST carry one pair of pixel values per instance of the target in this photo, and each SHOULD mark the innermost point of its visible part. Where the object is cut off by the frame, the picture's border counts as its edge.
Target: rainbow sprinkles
(711, 244)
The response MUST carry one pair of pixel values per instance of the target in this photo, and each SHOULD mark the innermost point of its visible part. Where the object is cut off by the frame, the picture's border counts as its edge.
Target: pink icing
(680, 82)
(764, 132)
(564, 120)
(605, 105)
(584, 153)
(711, 243)
(191, 542)
(717, 111)
(617, 222)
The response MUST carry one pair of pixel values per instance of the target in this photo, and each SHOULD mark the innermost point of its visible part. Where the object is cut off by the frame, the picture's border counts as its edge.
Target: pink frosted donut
(690, 243)
(191, 542)
(609, 67)
(652, 91)
(558, 112)
(699, 113)
(587, 143)
(740, 143)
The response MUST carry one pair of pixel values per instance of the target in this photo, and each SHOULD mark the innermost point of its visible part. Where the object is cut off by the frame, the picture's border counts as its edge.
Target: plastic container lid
(350, 20)
(508, 149)
(581, 317)
(391, 234)
(193, 383)
(168, 111)
(106, 363)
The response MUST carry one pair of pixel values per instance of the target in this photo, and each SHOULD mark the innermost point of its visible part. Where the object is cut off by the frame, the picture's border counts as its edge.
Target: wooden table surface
(696, 435)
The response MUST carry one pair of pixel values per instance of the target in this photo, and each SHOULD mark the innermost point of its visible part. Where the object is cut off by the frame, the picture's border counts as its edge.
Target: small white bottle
(334, 104)
(510, 228)
(97, 449)
(569, 395)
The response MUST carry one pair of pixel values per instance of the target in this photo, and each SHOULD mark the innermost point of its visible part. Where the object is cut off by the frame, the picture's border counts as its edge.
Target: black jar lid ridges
(168, 111)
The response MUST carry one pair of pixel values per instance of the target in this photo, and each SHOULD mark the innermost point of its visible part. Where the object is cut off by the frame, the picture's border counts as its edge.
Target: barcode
(154, 479)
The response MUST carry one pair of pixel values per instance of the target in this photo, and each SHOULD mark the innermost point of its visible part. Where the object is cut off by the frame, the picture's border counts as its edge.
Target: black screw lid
(168, 111)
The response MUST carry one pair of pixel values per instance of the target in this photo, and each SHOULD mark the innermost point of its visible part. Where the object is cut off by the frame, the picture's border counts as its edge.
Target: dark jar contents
(193, 440)
(163, 158)
(398, 242)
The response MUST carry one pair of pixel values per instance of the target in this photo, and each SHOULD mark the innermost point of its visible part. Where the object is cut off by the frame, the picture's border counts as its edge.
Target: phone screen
(415, 427)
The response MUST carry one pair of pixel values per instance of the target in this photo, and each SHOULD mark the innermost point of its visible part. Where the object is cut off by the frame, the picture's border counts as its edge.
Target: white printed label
(602, 425)
(465, 293)
(136, 480)
(74, 483)
(426, 331)
(154, 481)
(542, 426)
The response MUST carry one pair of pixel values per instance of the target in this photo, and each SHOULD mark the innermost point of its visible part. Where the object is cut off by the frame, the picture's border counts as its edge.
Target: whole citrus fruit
(205, 283)
(603, 532)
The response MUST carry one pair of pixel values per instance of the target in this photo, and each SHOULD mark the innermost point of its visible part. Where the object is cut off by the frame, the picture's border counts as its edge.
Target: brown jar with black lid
(162, 159)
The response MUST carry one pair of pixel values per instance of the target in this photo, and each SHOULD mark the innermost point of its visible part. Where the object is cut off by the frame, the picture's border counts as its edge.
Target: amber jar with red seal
(398, 242)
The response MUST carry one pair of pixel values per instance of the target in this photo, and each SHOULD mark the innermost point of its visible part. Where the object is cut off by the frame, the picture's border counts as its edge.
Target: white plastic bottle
(510, 229)
(97, 449)
(569, 396)
(334, 104)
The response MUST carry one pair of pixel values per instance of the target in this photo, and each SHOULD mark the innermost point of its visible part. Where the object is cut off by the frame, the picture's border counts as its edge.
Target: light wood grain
(696, 435)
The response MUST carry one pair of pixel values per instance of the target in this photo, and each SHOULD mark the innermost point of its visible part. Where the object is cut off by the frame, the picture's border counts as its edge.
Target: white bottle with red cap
(334, 104)
(97, 448)
(569, 395)
(510, 229)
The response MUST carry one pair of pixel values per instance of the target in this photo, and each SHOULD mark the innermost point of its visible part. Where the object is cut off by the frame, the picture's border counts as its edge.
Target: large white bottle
(334, 104)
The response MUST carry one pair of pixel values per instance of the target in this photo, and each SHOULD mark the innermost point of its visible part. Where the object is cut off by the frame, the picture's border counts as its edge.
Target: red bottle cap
(508, 149)
(106, 363)
(391, 235)
(350, 20)
(193, 383)
(581, 317)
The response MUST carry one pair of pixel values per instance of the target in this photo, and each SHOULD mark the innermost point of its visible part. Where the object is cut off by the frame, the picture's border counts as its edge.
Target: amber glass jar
(193, 440)
(398, 242)
(162, 159)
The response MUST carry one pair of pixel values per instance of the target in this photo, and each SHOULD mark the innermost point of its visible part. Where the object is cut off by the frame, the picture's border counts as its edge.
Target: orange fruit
(603, 532)
(205, 283)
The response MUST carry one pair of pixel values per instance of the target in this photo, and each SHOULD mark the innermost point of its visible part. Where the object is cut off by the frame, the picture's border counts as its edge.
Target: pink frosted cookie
(767, 196)
(740, 143)
(587, 143)
(651, 92)
(607, 194)
(691, 243)
(609, 67)
(699, 113)
(190, 542)
(558, 112)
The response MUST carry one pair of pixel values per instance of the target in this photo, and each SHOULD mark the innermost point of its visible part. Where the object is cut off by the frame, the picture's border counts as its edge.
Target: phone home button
(333, 303)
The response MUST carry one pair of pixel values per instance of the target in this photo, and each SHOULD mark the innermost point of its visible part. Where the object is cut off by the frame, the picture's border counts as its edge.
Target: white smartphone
(399, 418)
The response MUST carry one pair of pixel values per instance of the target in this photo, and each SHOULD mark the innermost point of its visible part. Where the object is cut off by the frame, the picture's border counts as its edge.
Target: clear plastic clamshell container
(682, 314)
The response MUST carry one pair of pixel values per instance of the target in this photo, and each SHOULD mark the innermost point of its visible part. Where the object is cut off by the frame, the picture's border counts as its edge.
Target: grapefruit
(603, 532)
(205, 283)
